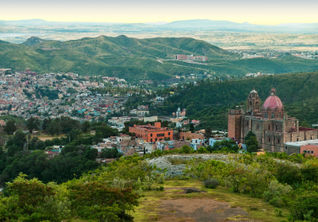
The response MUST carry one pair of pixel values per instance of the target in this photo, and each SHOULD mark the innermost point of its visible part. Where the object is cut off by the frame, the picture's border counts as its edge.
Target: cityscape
(158, 111)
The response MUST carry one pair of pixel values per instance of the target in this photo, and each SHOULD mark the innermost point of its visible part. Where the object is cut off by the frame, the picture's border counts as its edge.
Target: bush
(309, 170)
(288, 173)
(305, 206)
(186, 149)
(211, 183)
(277, 193)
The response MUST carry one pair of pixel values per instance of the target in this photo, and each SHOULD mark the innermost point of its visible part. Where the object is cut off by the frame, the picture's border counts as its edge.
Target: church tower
(253, 103)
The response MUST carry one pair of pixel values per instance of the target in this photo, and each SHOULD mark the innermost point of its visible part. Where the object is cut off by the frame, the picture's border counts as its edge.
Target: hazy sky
(252, 11)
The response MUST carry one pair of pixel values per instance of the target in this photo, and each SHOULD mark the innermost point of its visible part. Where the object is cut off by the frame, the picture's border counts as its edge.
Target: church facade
(271, 125)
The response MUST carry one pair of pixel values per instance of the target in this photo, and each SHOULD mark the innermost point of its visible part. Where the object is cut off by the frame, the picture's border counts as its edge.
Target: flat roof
(302, 143)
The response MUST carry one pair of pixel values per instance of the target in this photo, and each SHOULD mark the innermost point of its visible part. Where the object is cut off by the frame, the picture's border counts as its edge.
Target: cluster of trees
(282, 184)
(25, 153)
(209, 101)
(108, 194)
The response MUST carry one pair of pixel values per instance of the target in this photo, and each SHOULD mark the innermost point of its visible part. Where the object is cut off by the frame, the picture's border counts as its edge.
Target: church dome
(273, 102)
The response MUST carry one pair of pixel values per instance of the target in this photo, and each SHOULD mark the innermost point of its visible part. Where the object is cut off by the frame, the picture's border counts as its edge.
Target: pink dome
(273, 102)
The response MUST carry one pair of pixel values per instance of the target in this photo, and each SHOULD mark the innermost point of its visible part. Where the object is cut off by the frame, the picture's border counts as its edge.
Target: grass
(45, 137)
(257, 209)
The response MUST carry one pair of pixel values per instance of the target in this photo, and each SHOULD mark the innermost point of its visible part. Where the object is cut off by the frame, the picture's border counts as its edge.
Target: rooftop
(303, 143)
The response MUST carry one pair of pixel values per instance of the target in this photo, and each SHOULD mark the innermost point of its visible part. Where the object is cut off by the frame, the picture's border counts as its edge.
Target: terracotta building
(271, 125)
(152, 133)
(190, 136)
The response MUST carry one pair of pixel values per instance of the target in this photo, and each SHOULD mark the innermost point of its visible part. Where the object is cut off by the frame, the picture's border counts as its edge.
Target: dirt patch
(199, 210)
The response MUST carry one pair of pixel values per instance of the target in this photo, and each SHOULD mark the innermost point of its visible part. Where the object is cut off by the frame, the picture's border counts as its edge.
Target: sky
(265, 12)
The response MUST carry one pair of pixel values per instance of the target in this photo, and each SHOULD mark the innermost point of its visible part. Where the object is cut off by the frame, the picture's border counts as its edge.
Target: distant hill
(136, 59)
(210, 100)
(182, 25)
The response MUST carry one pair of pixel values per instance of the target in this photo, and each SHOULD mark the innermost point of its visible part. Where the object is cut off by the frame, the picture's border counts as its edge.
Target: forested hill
(136, 59)
(210, 100)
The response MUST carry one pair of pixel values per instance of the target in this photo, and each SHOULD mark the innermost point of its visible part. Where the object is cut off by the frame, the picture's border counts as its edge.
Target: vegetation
(111, 192)
(135, 59)
(251, 142)
(282, 184)
(205, 102)
(26, 153)
(107, 195)
(211, 183)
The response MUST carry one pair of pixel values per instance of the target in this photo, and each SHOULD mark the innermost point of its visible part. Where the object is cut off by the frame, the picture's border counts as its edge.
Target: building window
(269, 127)
(169, 133)
(269, 139)
(150, 134)
(278, 140)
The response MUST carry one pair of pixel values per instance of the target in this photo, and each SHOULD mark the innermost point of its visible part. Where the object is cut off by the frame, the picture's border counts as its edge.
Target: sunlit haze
(257, 12)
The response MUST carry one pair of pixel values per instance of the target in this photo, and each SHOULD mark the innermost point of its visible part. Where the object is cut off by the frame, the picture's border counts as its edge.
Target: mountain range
(186, 25)
(136, 59)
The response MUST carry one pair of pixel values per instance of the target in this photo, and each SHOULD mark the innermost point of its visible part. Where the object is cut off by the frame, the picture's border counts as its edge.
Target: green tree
(32, 200)
(208, 133)
(33, 124)
(251, 142)
(10, 127)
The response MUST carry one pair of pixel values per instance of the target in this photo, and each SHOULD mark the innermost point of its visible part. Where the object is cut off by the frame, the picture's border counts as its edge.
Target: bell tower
(253, 103)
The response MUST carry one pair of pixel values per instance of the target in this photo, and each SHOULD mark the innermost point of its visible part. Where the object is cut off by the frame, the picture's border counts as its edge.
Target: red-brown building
(152, 133)
(189, 136)
(310, 149)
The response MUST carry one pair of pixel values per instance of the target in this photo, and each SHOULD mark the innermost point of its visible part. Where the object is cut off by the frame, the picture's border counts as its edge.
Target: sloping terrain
(136, 59)
(210, 100)
(175, 204)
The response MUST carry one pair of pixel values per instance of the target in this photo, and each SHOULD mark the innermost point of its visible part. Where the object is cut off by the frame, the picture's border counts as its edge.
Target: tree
(208, 133)
(85, 126)
(32, 200)
(110, 153)
(16, 143)
(33, 124)
(191, 127)
(251, 142)
(10, 127)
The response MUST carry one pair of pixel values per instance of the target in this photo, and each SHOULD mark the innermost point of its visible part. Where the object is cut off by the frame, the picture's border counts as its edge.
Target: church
(271, 125)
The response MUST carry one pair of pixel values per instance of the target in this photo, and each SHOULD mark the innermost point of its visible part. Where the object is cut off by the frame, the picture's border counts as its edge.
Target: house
(152, 133)
(307, 147)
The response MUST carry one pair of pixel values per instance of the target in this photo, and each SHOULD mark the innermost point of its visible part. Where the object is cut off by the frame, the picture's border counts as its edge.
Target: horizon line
(151, 22)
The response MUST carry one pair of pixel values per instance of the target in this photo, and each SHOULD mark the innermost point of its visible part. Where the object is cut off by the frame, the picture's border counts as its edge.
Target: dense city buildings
(269, 122)
(52, 95)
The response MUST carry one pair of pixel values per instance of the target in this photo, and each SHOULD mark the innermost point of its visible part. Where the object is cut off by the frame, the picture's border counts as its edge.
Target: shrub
(277, 193)
(288, 173)
(211, 183)
(305, 206)
(202, 149)
(310, 170)
(186, 149)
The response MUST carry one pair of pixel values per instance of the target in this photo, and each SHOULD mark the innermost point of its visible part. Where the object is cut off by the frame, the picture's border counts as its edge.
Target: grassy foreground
(153, 205)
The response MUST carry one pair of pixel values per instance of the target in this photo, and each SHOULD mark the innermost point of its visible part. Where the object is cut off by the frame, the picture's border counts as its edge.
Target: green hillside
(136, 59)
(210, 100)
